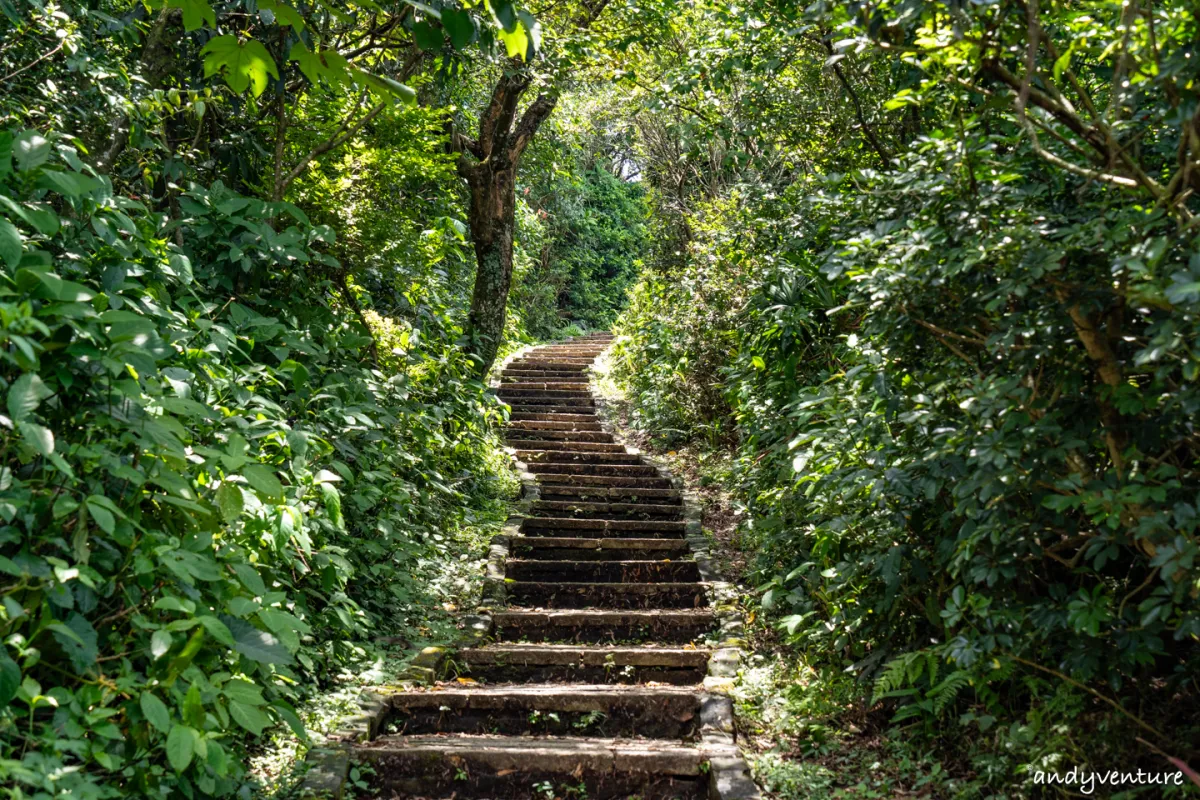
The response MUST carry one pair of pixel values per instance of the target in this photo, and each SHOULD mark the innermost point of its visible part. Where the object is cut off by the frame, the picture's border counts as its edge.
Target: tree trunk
(494, 265)
(491, 177)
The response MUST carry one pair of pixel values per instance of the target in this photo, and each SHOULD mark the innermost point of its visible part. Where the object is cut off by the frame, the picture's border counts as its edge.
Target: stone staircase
(589, 676)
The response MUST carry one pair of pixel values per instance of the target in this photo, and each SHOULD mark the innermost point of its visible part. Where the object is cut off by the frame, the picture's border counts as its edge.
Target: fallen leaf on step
(466, 680)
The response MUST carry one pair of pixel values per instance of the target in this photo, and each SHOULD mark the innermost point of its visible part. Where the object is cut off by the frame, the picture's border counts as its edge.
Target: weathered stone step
(541, 455)
(588, 425)
(541, 443)
(518, 437)
(550, 467)
(549, 361)
(626, 494)
(552, 481)
(534, 416)
(506, 768)
(515, 408)
(539, 387)
(517, 391)
(577, 508)
(541, 376)
(663, 626)
(629, 572)
(603, 528)
(571, 405)
(593, 664)
(573, 548)
(666, 712)
(560, 594)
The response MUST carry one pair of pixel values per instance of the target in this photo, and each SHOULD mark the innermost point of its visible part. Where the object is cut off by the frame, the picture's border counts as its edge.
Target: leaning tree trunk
(491, 177)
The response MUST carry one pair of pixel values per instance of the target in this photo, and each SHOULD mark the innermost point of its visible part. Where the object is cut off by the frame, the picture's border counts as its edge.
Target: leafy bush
(942, 476)
(208, 492)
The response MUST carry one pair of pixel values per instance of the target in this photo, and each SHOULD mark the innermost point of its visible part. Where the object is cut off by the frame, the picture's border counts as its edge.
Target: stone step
(569, 548)
(553, 362)
(517, 391)
(549, 408)
(506, 768)
(570, 405)
(584, 425)
(626, 494)
(538, 416)
(589, 571)
(548, 466)
(541, 443)
(592, 664)
(661, 712)
(518, 437)
(511, 375)
(662, 626)
(577, 508)
(541, 455)
(561, 594)
(539, 387)
(603, 528)
(553, 481)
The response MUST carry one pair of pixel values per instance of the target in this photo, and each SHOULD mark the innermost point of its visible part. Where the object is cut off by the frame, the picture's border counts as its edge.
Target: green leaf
(283, 13)
(217, 630)
(250, 578)
(10, 678)
(156, 712)
(181, 744)
(243, 692)
(263, 480)
(243, 64)
(160, 643)
(37, 437)
(10, 244)
(104, 518)
(49, 285)
(31, 150)
(249, 717)
(195, 13)
(230, 501)
(257, 645)
(24, 396)
(428, 37)
(460, 27)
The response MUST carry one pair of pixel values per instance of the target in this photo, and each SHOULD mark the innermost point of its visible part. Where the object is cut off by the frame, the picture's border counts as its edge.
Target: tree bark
(489, 165)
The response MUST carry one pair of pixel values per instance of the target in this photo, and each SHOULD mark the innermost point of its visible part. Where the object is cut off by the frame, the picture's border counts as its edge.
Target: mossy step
(662, 626)
(562, 594)
(551, 481)
(585, 549)
(586, 424)
(505, 768)
(627, 494)
(666, 712)
(536, 526)
(592, 571)
(519, 437)
(557, 468)
(542, 455)
(579, 508)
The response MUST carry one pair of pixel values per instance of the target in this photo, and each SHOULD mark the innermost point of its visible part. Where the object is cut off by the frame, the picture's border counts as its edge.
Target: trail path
(591, 679)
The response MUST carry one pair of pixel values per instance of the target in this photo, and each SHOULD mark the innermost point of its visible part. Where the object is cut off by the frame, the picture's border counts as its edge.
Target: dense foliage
(240, 435)
(958, 358)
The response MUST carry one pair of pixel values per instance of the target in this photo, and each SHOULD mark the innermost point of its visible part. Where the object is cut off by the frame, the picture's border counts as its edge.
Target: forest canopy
(925, 273)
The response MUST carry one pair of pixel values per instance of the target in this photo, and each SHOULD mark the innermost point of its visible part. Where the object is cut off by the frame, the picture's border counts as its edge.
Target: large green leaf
(181, 746)
(256, 644)
(243, 64)
(156, 711)
(10, 244)
(263, 479)
(10, 677)
(249, 717)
